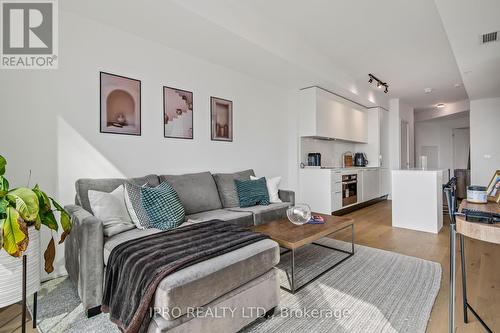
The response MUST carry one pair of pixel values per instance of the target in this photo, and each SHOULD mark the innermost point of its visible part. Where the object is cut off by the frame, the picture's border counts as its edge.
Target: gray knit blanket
(136, 267)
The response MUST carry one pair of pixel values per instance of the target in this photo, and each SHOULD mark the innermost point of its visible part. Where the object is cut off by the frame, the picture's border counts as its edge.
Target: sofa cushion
(262, 214)
(203, 282)
(197, 191)
(111, 242)
(106, 185)
(244, 219)
(227, 188)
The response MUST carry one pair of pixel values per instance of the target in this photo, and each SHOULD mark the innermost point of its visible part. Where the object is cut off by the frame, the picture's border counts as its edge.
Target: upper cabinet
(325, 115)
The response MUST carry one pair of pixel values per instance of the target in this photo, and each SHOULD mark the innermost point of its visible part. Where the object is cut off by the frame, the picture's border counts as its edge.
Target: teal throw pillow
(163, 206)
(252, 192)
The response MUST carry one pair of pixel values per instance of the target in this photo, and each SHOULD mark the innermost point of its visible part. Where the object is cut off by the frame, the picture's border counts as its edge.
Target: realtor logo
(29, 34)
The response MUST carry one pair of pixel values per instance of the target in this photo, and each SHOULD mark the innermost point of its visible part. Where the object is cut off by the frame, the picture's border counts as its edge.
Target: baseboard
(351, 209)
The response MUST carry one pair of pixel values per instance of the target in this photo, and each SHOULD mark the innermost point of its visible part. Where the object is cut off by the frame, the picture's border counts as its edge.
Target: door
(405, 145)
(461, 148)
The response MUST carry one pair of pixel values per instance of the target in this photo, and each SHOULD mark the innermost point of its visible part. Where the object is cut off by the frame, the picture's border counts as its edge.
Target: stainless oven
(349, 189)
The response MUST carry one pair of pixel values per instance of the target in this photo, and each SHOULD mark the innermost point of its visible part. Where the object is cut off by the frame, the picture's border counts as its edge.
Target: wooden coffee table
(291, 237)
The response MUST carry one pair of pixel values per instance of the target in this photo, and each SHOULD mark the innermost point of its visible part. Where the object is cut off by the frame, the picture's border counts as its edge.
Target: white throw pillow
(272, 185)
(111, 210)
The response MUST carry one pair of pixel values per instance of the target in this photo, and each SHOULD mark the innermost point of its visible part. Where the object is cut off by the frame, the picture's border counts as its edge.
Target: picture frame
(120, 104)
(177, 113)
(221, 119)
(493, 190)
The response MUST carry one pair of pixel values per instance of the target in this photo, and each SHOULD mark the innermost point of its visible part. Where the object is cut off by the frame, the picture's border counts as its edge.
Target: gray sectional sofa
(243, 278)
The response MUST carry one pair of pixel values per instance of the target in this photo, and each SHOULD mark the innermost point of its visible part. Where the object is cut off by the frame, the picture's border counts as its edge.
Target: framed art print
(120, 104)
(221, 113)
(493, 190)
(177, 113)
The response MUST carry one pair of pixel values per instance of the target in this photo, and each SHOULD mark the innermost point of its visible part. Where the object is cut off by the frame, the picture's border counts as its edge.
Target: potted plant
(23, 211)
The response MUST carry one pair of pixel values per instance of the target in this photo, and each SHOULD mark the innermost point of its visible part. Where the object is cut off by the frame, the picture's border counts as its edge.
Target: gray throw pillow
(227, 188)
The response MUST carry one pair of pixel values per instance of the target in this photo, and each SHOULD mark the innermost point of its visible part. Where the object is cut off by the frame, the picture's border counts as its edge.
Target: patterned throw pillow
(154, 207)
(252, 192)
(163, 206)
(135, 209)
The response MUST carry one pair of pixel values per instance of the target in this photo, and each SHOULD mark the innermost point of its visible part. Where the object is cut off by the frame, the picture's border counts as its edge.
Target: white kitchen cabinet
(370, 184)
(385, 181)
(337, 200)
(325, 115)
(321, 189)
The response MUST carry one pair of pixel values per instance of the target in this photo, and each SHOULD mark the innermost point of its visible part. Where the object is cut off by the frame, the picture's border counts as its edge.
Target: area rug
(373, 291)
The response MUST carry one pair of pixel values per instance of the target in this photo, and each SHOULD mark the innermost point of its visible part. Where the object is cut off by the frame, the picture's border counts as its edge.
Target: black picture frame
(103, 108)
(165, 111)
(215, 135)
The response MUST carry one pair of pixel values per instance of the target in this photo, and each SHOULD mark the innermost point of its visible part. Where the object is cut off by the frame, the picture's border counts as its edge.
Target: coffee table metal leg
(293, 272)
(291, 277)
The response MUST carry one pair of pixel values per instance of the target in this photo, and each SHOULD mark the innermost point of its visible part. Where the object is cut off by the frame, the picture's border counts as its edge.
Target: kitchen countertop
(340, 168)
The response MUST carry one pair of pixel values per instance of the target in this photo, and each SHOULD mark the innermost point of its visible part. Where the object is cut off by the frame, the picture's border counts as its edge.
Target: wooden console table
(480, 231)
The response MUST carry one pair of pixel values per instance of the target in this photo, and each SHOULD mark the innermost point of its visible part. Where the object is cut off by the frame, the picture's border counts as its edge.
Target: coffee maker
(314, 159)
(360, 160)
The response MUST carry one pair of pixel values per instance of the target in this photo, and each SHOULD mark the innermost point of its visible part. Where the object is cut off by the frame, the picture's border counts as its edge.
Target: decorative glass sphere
(299, 214)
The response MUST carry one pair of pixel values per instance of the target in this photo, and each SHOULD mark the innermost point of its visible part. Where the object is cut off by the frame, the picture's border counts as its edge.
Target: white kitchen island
(417, 199)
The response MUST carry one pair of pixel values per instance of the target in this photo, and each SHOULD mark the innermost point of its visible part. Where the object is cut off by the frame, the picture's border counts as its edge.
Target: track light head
(380, 84)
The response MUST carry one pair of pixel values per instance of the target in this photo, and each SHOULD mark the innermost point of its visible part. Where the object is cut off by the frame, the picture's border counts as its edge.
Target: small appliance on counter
(314, 159)
(347, 160)
(360, 160)
(477, 194)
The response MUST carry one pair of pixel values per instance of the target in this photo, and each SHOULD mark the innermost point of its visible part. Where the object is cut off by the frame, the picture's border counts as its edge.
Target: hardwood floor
(10, 320)
(373, 228)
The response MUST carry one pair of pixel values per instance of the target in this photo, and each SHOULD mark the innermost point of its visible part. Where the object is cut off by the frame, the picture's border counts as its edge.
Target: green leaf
(4, 186)
(48, 219)
(43, 199)
(3, 163)
(1, 232)
(15, 233)
(3, 208)
(25, 201)
(65, 220)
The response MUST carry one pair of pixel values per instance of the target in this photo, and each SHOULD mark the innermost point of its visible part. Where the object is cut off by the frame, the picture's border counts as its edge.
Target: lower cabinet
(370, 184)
(336, 200)
(322, 188)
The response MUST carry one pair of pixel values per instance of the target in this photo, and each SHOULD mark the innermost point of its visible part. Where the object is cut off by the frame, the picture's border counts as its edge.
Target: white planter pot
(11, 271)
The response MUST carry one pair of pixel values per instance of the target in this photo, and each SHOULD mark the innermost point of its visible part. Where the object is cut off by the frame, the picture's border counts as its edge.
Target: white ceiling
(464, 22)
(401, 42)
(334, 44)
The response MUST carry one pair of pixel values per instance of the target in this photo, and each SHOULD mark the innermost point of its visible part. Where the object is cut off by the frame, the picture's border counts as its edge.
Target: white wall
(438, 133)
(50, 119)
(484, 133)
(399, 111)
(331, 151)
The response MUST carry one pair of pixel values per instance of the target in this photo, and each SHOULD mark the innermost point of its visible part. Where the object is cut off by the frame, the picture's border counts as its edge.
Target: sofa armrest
(84, 255)
(287, 196)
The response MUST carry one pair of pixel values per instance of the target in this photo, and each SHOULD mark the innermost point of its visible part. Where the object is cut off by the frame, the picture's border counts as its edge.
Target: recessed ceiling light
(440, 105)
(427, 90)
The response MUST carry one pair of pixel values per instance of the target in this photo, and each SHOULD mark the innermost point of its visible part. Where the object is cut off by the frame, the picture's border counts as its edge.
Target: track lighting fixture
(380, 84)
